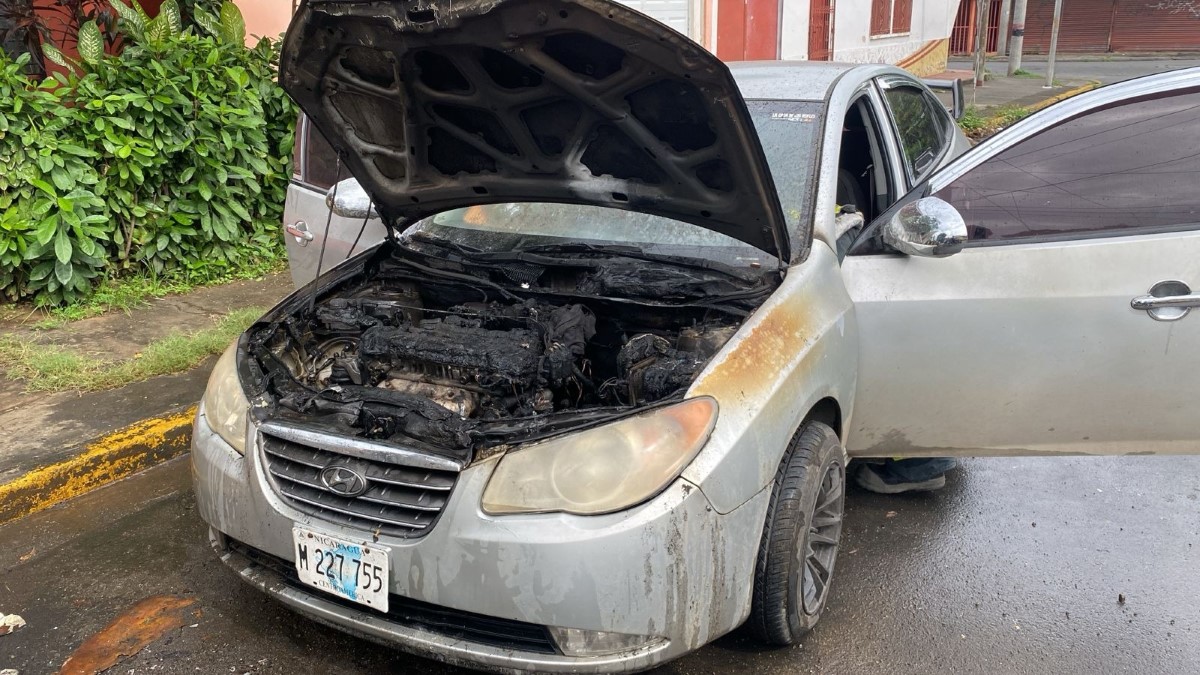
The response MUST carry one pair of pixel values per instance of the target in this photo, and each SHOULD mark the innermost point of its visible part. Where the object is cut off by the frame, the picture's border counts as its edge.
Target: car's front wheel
(800, 539)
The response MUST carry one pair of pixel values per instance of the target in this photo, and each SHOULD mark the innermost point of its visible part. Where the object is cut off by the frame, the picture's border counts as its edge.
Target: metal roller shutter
(1148, 25)
(674, 13)
(1084, 28)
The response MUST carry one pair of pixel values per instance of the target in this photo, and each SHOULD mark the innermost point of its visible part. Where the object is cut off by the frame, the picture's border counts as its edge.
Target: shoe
(877, 478)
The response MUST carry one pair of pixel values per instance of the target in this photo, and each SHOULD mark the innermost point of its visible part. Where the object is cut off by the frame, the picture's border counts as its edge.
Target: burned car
(590, 324)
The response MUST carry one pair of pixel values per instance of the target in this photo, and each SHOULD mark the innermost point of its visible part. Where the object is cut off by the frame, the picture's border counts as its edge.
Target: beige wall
(265, 18)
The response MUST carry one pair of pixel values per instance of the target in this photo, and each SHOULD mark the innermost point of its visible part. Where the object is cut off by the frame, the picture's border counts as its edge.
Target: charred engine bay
(453, 351)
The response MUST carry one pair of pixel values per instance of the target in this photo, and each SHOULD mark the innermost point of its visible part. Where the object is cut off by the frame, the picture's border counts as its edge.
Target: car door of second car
(305, 214)
(1039, 337)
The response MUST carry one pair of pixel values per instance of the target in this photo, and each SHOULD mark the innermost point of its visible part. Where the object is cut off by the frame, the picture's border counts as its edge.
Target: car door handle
(1151, 302)
(1167, 301)
(299, 230)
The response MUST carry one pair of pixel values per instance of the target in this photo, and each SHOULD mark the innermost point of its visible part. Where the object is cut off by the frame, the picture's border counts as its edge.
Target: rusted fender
(800, 347)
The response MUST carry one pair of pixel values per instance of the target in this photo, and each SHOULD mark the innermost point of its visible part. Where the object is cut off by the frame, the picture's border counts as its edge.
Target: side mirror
(348, 199)
(928, 227)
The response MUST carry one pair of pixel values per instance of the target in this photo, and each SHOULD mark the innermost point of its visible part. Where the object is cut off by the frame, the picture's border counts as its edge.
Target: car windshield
(789, 132)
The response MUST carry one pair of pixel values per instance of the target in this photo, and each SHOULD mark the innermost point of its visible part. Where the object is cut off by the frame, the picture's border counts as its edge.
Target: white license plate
(357, 572)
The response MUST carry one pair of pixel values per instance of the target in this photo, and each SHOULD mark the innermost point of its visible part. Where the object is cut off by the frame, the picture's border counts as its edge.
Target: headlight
(605, 469)
(225, 405)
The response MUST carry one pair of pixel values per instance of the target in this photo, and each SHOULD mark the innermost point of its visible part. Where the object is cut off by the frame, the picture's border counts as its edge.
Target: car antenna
(337, 179)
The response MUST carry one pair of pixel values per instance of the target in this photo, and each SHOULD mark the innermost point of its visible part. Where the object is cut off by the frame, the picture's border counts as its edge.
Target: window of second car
(1120, 169)
(317, 168)
(919, 126)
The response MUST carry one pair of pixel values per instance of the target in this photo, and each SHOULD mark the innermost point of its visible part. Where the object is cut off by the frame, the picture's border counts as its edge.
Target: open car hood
(440, 104)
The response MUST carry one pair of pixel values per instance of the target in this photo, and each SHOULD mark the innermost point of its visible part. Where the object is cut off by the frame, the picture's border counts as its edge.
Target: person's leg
(905, 475)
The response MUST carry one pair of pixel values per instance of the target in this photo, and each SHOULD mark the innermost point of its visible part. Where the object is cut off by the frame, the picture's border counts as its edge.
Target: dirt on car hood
(441, 104)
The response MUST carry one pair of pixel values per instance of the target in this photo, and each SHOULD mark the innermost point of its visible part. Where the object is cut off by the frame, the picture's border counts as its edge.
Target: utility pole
(1002, 30)
(1053, 43)
(1018, 37)
(981, 16)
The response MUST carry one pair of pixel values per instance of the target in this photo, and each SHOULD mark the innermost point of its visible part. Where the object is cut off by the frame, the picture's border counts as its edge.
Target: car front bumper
(672, 570)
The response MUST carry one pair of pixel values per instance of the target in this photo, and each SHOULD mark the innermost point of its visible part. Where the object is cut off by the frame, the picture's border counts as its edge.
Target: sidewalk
(1024, 92)
(1020, 91)
(1073, 73)
(61, 444)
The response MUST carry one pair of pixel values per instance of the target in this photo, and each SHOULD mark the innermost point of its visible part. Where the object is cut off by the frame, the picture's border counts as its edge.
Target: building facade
(913, 33)
(1089, 26)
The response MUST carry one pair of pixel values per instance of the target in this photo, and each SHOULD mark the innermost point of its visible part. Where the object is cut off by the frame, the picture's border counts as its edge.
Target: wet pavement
(1018, 566)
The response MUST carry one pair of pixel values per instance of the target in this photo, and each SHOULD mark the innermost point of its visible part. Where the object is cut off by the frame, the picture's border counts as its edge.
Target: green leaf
(258, 165)
(213, 26)
(45, 230)
(170, 14)
(87, 246)
(91, 43)
(54, 55)
(75, 150)
(239, 210)
(63, 271)
(44, 187)
(63, 180)
(62, 246)
(41, 270)
(157, 29)
(131, 17)
(233, 26)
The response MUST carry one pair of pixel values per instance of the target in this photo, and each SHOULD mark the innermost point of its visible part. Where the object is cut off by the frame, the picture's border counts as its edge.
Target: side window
(863, 177)
(315, 162)
(1114, 170)
(321, 163)
(920, 127)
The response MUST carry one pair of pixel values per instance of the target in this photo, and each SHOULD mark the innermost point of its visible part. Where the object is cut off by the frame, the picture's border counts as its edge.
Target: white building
(912, 33)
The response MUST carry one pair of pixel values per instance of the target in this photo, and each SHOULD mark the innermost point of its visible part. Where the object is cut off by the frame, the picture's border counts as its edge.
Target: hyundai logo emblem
(344, 481)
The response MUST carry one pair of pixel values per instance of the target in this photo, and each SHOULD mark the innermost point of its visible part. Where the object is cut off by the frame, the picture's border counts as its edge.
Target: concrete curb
(111, 458)
(1064, 95)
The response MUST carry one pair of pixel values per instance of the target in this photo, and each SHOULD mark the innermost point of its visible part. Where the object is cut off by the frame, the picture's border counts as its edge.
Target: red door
(748, 31)
(820, 30)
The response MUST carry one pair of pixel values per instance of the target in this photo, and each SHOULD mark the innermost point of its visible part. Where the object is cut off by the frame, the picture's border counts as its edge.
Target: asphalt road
(1018, 565)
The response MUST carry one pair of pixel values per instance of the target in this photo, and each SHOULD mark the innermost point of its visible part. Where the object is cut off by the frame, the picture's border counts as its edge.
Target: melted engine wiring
(459, 277)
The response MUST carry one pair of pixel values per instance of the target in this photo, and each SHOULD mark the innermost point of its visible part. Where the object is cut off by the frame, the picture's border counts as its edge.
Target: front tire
(800, 539)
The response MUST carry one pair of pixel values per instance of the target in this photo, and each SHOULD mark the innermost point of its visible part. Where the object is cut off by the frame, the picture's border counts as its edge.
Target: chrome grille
(399, 500)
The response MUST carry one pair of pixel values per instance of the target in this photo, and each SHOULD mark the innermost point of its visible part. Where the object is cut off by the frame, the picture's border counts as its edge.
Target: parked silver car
(581, 397)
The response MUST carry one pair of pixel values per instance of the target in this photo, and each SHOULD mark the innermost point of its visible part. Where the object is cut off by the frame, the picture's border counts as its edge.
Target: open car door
(1069, 321)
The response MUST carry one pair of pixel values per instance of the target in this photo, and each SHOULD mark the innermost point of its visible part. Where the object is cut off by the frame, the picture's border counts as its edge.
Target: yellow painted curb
(117, 455)
(1065, 95)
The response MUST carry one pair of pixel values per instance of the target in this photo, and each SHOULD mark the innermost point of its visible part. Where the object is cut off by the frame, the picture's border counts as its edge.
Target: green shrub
(978, 125)
(171, 158)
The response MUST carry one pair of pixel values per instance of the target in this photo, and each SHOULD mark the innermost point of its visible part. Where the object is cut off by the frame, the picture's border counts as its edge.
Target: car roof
(796, 80)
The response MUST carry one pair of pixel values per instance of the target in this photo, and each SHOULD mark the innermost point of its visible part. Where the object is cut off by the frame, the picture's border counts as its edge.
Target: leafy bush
(172, 157)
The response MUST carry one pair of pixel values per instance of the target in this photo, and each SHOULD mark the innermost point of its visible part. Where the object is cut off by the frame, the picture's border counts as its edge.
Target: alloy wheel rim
(821, 544)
